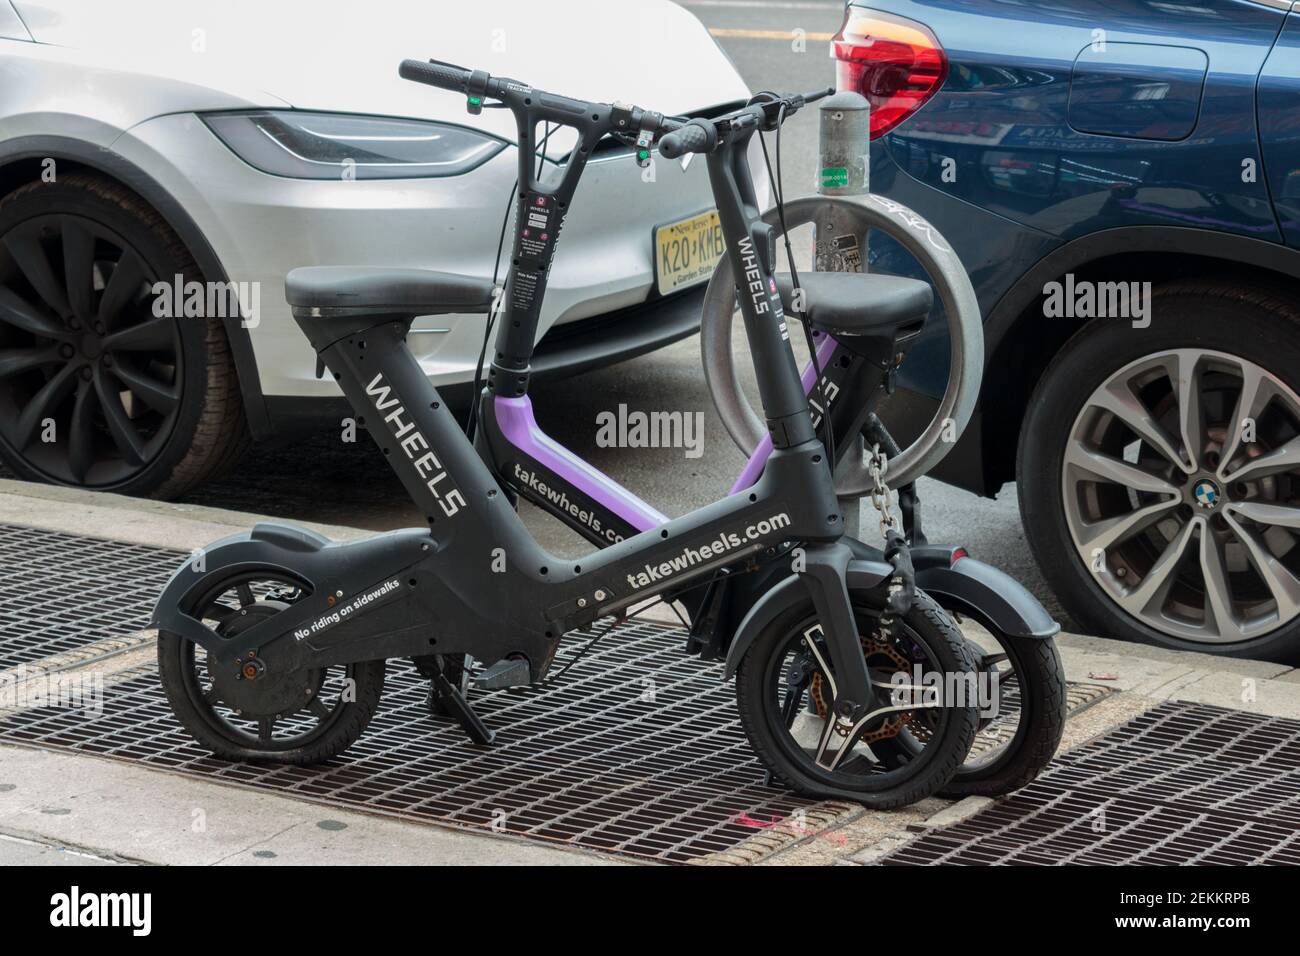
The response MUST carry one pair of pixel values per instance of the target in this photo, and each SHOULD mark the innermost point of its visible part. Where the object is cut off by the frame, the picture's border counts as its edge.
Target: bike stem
(752, 248)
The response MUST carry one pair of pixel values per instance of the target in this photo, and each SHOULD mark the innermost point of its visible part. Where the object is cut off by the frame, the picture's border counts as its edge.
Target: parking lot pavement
(77, 809)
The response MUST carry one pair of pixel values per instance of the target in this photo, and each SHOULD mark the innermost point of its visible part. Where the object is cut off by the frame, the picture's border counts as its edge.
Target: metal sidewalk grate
(61, 591)
(1181, 784)
(636, 751)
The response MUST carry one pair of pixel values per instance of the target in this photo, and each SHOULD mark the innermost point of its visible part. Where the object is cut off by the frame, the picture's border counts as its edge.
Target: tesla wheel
(1159, 473)
(95, 390)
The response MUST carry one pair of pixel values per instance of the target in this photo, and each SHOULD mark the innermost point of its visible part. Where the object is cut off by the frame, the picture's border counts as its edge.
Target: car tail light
(895, 63)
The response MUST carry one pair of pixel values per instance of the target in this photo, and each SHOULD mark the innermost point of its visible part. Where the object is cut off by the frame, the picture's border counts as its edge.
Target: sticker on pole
(850, 254)
(835, 177)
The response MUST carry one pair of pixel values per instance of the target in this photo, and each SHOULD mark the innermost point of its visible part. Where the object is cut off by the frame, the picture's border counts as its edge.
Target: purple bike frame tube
(520, 428)
(758, 461)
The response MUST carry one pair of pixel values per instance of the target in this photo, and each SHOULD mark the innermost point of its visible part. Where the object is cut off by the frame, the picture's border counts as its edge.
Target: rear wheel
(787, 667)
(298, 717)
(96, 391)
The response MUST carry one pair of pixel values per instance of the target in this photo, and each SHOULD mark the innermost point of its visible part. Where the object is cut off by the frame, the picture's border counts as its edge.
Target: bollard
(844, 171)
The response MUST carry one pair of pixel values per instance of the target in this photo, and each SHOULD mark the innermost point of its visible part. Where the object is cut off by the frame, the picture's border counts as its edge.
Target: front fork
(854, 695)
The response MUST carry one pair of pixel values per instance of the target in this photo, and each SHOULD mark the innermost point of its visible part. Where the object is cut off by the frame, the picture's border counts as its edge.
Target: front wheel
(1022, 687)
(787, 669)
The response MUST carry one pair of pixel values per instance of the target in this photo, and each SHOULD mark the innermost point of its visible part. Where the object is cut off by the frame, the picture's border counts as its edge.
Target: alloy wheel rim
(90, 378)
(798, 730)
(1181, 484)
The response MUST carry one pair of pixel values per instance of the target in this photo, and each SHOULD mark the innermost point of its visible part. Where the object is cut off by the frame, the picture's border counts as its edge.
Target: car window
(11, 25)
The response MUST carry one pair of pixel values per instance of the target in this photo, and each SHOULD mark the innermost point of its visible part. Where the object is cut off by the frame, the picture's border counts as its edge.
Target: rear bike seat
(858, 303)
(331, 302)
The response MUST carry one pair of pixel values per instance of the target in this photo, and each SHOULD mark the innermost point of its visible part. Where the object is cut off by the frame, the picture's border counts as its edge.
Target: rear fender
(328, 570)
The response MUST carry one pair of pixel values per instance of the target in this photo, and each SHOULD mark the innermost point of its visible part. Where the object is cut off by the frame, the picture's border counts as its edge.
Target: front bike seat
(858, 303)
(324, 290)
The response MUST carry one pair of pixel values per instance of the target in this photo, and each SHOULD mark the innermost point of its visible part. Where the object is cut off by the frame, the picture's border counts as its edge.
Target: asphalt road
(351, 484)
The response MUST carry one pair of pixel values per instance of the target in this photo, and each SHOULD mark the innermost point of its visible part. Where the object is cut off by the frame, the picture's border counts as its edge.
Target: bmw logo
(1206, 493)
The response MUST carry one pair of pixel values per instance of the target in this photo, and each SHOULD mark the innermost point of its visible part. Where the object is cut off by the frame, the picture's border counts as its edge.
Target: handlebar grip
(694, 137)
(441, 75)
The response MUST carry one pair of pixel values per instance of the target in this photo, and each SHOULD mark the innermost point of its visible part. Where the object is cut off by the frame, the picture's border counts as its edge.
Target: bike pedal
(511, 672)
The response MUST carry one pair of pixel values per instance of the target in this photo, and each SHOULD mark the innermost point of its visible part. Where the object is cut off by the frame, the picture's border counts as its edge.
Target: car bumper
(260, 227)
(568, 349)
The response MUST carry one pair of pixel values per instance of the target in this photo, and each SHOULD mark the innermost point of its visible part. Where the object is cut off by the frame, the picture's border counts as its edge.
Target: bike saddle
(401, 291)
(858, 303)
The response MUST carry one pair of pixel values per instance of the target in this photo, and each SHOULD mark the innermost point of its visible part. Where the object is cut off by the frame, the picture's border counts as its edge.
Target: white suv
(154, 147)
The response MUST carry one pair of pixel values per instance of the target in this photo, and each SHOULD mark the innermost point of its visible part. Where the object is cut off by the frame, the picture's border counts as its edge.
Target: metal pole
(844, 171)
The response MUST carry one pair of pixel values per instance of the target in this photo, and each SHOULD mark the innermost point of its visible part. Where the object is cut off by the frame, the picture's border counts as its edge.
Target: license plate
(686, 251)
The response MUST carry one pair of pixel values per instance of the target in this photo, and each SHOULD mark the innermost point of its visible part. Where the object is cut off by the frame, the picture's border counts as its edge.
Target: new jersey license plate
(686, 251)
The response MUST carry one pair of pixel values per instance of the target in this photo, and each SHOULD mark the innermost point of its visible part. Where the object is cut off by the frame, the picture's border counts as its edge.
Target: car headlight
(302, 145)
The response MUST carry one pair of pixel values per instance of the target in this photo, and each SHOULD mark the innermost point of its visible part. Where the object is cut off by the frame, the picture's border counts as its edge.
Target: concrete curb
(158, 524)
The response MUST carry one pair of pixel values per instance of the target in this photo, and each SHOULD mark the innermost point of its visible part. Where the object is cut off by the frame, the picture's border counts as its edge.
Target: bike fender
(992, 597)
(322, 565)
(791, 592)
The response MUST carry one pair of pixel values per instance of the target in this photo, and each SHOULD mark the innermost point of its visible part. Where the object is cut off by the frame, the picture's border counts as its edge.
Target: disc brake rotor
(251, 690)
(895, 662)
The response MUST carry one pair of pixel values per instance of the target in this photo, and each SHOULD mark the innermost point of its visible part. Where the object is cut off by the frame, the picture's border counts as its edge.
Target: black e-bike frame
(538, 469)
(474, 581)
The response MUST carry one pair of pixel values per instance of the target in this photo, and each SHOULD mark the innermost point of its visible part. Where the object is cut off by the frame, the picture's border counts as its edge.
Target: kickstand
(455, 705)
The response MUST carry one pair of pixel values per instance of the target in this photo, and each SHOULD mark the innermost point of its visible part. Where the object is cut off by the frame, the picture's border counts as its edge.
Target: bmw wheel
(1159, 473)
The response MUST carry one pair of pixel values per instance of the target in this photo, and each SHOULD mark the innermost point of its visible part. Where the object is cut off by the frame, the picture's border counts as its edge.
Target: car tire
(1203, 329)
(94, 392)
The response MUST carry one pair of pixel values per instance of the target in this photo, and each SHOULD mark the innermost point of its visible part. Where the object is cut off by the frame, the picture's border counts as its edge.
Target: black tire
(173, 663)
(1041, 679)
(234, 734)
(186, 421)
(928, 625)
(1256, 325)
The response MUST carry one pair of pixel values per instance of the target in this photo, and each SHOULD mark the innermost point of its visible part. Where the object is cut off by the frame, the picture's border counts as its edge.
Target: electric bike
(1020, 731)
(1018, 736)
(272, 646)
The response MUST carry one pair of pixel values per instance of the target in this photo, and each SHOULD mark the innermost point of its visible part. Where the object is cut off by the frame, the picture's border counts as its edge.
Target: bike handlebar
(702, 135)
(695, 137)
(674, 138)
(442, 75)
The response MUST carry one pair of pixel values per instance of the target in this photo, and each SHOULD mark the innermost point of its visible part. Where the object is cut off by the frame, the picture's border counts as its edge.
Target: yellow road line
(769, 34)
